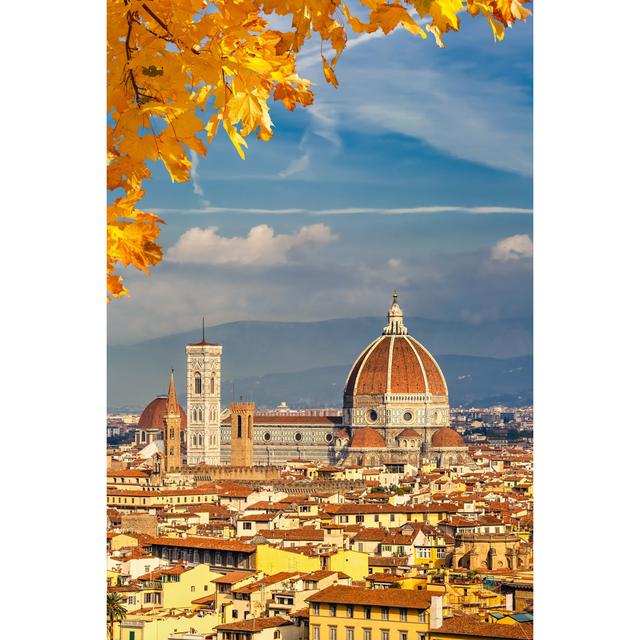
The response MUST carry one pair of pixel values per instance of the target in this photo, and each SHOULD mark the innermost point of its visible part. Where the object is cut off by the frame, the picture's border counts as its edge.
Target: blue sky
(415, 173)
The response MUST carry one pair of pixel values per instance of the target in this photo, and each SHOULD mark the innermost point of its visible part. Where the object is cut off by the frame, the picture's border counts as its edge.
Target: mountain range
(306, 363)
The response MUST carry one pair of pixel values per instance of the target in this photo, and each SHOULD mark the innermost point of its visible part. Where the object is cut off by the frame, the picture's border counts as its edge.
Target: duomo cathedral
(395, 411)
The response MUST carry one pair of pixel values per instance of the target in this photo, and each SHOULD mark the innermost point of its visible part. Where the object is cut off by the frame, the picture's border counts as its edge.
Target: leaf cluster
(180, 71)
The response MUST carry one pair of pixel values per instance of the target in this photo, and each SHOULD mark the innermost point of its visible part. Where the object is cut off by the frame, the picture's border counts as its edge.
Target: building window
(403, 615)
(298, 437)
(197, 379)
(359, 518)
(408, 416)
(212, 385)
(366, 634)
(385, 634)
(403, 635)
(132, 635)
(316, 610)
(334, 610)
(372, 414)
(333, 633)
(246, 526)
(349, 611)
(267, 436)
(328, 437)
(315, 632)
(239, 433)
(277, 634)
(385, 613)
(349, 633)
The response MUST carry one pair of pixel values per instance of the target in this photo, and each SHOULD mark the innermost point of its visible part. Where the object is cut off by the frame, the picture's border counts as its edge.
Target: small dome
(445, 438)
(153, 415)
(408, 433)
(366, 438)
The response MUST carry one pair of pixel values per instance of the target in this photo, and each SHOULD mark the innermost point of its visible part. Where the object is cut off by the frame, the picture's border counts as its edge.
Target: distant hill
(472, 381)
(302, 362)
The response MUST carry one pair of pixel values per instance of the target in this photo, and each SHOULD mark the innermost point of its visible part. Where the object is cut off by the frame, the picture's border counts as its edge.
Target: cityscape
(394, 516)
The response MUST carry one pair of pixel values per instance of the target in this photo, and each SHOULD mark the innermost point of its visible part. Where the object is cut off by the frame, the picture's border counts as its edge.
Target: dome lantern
(395, 319)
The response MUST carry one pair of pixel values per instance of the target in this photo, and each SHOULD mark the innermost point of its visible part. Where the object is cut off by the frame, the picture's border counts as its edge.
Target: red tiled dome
(408, 433)
(446, 437)
(153, 415)
(366, 438)
(395, 364)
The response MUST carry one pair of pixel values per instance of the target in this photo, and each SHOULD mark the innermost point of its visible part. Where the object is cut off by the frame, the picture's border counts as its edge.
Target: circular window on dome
(267, 436)
(328, 437)
(297, 437)
(372, 415)
(408, 416)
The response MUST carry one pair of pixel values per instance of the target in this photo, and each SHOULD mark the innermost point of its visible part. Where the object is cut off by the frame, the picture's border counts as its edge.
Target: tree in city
(115, 611)
(179, 72)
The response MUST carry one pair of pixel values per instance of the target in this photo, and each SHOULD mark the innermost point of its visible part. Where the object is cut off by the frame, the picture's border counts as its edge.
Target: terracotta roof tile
(406, 373)
(468, 625)
(404, 598)
(153, 415)
(255, 625)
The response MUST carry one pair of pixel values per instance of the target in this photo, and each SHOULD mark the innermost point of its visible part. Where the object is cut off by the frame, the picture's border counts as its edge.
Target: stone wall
(139, 523)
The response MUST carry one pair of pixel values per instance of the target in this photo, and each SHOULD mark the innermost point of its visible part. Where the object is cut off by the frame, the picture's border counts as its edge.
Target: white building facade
(203, 403)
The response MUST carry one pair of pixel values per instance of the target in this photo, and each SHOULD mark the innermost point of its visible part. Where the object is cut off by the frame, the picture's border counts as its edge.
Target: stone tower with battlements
(172, 430)
(203, 402)
(242, 414)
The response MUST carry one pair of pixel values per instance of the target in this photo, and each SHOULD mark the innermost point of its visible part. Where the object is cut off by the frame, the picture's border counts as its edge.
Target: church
(395, 411)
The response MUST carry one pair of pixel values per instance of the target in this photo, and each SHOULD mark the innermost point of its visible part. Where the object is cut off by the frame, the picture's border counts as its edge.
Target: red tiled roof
(396, 363)
(233, 576)
(437, 384)
(405, 598)
(406, 373)
(210, 599)
(446, 437)
(204, 543)
(367, 438)
(409, 433)
(153, 415)
(255, 625)
(469, 625)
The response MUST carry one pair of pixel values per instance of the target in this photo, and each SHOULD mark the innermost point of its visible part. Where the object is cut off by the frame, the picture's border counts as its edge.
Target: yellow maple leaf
(389, 16)
(329, 73)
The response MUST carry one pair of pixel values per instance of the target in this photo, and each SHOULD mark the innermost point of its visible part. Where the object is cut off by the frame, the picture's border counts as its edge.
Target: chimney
(435, 612)
(509, 602)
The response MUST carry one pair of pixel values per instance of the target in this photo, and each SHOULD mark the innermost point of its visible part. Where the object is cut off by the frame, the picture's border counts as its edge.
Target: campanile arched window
(212, 385)
(197, 379)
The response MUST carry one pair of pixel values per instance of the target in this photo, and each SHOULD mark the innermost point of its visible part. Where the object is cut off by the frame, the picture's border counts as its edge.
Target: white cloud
(261, 246)
(512, 249)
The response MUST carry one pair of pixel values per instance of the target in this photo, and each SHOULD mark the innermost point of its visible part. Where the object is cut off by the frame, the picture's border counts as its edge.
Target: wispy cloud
(297, 165)
(195, 178)
(389, 211)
